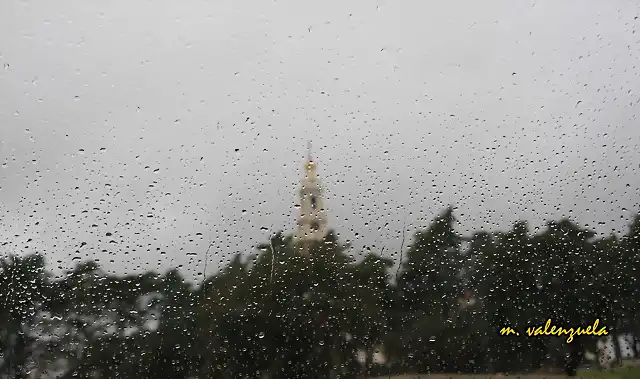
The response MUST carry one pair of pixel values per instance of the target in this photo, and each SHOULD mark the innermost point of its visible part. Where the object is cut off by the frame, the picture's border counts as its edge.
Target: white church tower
(312, 222)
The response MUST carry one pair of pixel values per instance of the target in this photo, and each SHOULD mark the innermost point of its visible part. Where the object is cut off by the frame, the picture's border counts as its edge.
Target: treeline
(280, 314)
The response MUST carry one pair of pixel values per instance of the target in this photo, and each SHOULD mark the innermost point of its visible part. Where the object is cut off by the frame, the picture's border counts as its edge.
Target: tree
(429, 277)
(22, 280)
(565, 258)
(372, 287)
(506, 278)
(288, 315)
(629, 280)
(429, 285)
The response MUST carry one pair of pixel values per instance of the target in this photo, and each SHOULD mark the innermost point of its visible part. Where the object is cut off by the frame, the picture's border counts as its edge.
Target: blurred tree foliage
(281, 314)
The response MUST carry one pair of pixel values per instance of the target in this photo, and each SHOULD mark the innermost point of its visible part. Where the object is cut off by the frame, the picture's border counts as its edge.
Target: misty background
(136, 133)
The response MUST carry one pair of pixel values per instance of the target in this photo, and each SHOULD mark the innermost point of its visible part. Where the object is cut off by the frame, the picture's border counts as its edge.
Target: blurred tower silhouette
(312, 222)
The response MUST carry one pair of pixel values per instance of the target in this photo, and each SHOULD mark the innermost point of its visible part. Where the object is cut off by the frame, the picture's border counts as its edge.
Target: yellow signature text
(551, 330)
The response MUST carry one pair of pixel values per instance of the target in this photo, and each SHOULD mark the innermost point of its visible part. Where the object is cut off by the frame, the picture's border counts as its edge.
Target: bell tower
(312, 222)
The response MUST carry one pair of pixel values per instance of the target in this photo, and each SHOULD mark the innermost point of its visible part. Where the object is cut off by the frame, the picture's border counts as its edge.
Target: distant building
(377, 357)
(312, 222)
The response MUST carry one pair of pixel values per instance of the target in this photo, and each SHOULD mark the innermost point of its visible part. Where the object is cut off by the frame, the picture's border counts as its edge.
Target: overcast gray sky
(158, 120)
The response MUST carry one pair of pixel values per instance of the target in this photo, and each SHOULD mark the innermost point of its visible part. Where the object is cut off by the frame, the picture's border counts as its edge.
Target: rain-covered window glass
(292, 189)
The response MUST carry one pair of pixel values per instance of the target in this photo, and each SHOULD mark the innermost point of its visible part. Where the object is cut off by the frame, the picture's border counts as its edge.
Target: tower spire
(310, 165)
(312, 222)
